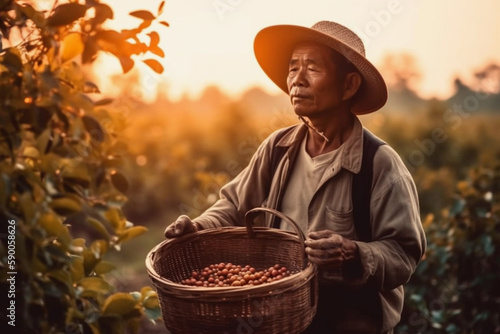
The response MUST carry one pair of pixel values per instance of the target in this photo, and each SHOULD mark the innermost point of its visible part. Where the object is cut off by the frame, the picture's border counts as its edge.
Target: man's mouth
(300, 96)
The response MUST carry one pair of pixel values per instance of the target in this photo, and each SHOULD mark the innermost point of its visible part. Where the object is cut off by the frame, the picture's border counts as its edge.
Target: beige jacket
(398, 238)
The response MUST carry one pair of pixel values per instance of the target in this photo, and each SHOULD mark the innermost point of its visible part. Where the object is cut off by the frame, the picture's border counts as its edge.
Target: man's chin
(301, 111)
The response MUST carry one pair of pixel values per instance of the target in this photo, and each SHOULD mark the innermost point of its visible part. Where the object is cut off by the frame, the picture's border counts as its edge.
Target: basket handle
(251, 214)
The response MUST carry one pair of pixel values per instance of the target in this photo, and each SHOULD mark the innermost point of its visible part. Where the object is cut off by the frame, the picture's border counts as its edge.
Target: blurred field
(180, 154)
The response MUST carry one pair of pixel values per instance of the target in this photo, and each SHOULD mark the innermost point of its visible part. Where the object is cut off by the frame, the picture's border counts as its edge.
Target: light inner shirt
(306, 176)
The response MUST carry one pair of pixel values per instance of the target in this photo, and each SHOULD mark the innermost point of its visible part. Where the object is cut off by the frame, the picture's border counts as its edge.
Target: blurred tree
(400, 71)
(59, 162)
(488, 79)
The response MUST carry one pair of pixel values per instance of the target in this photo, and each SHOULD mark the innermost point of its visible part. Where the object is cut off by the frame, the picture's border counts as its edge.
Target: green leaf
(65, 206)
(71, 46)
(99, 248)
(64, 277)
(89, 53)
(90, 261)
(95, 285)
(120, 303)
(44, 141)
(154, 65)
(136, 295)
(457, 207)
(416, 298)
(153, 313)
(31, 152)
(37, 17)
(90, 87)
(160, 7)
(126, 64)
(104, 267)
(103, 102)
(94, 128)
(116, 219)
(157, 51)
(155, 39)
(54, 227)
(12, 60)
(65, 14)
(78, 242)
(79, 100)
(57, 253)
(131, 233)
(75, 171)
(147, 291)
(119, 181)
(102, 13)
(99, 227)
(151, 302)
(488, 246)
(143, 14)
(111, 324)
(77, 270)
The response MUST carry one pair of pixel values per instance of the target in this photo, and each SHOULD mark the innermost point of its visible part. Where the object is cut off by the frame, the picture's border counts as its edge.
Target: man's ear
(352, 83)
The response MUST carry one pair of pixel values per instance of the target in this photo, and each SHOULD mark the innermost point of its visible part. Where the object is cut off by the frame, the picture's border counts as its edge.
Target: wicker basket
(283, 306)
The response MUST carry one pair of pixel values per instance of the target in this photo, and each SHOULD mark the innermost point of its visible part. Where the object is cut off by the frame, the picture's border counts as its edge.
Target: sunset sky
(211, 41)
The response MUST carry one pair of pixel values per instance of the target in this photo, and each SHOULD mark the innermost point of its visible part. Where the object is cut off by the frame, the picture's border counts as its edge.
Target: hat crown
(342, 34)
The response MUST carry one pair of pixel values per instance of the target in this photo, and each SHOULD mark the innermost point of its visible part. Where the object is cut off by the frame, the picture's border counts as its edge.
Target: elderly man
(350, 192)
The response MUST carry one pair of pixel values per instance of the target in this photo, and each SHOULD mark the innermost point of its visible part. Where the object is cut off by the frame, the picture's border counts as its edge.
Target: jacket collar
(352, 152)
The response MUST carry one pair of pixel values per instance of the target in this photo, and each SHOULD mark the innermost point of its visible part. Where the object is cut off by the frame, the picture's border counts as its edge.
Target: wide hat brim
(273, 47)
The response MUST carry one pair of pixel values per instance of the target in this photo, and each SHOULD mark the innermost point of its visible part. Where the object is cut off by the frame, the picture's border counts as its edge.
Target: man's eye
(292, 69)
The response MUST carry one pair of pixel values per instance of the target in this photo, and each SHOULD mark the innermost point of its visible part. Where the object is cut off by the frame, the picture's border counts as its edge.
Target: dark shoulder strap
(278, 152)
(362, 187)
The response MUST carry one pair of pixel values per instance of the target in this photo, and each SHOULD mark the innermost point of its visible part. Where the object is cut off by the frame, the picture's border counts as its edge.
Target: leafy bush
(61, 190)
(455, 288)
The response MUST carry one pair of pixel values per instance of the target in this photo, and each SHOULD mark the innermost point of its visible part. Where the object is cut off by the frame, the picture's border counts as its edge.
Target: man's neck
(336, 128)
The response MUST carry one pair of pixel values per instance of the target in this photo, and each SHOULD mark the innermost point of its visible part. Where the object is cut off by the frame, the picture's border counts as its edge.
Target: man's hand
(183, 225)
(329, 250)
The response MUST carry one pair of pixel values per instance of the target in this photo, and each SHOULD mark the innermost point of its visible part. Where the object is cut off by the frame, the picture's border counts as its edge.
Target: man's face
(315, 81)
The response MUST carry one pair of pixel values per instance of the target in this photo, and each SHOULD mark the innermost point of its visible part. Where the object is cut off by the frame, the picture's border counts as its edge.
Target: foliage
(60, 159)
(455, 288)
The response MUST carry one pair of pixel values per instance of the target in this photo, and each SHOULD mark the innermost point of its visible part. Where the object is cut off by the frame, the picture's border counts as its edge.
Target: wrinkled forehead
(311, 47)
(317, 50)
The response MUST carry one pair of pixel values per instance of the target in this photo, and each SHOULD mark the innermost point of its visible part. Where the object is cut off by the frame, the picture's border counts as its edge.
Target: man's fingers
(320, 234)
(324, 253)
(178, 227)
(169, 231)
(323, 257)
(181, 226)
(331, 240)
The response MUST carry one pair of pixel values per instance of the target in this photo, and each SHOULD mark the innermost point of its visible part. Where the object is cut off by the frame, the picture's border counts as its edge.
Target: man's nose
(299, 79)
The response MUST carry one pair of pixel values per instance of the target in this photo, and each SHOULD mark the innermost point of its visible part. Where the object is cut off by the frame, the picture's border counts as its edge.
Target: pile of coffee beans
(228, 274)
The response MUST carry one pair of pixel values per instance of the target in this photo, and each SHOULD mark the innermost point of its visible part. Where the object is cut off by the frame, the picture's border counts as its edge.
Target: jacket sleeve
(398, 237)
(247, 190)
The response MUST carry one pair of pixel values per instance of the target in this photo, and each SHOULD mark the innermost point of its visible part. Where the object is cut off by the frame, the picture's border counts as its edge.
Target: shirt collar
(352, 152)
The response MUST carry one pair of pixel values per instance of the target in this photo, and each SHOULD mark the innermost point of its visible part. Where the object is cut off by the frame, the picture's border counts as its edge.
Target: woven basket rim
(185, 291)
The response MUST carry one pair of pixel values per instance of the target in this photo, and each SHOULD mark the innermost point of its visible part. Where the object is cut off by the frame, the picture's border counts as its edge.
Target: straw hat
(273, 47)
